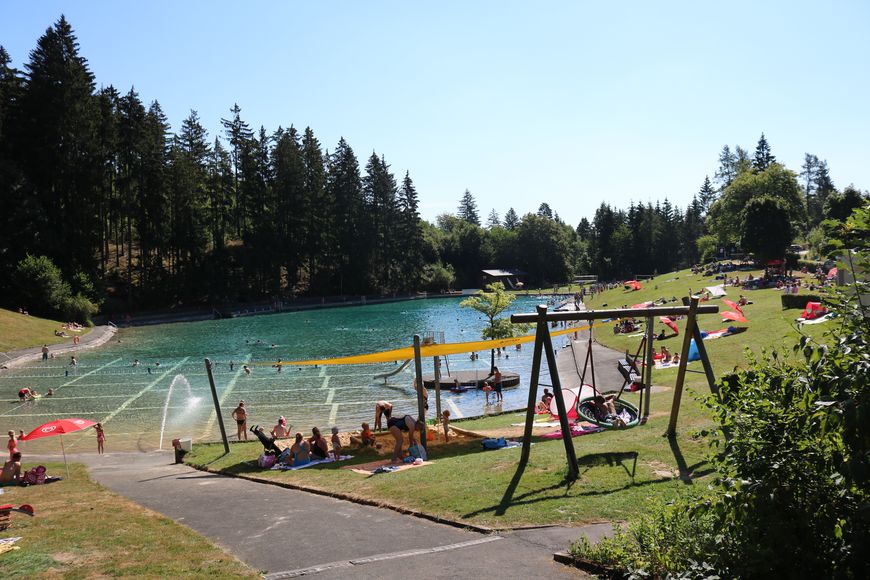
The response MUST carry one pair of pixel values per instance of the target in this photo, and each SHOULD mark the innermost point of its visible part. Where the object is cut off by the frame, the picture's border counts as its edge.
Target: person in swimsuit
(240, 414)
(101, 437)
(365, 438)
(319, 446)
(301, 451)
(12, 444)
(382, 408)
(11, 470)
(23, 394)
(397, 425)
(496, 384)
(281, 431)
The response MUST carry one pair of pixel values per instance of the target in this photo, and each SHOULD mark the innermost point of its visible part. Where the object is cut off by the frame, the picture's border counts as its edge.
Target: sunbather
(12, 470)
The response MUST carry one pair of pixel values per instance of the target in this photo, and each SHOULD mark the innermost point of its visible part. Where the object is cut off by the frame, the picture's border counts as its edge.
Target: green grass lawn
(81, 530)
(467, 484)
(19, 331)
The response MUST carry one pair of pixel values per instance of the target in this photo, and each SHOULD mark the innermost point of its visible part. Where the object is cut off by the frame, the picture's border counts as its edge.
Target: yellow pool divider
(426, 351)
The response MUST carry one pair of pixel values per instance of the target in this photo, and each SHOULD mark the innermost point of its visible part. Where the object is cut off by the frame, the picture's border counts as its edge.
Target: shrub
(41, 288)
(79, 309)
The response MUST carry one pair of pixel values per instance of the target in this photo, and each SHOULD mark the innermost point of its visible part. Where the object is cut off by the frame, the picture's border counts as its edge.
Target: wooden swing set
(544, 346)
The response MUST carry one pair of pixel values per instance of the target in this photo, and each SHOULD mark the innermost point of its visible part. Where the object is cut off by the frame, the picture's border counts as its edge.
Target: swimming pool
(137, 402)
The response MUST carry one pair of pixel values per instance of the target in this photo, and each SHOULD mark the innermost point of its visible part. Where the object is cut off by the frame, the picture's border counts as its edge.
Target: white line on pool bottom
(378, 558)
(333, 413)
(329, 396)
(66, 384)
(147, 388)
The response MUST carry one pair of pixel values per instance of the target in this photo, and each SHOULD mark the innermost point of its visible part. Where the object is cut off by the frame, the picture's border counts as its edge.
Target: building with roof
(512, 279)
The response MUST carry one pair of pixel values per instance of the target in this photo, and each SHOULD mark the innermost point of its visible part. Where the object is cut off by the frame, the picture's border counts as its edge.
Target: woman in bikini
(240, 414)
(319, 446)
(382, 408)
(397, 425)
(301, 451)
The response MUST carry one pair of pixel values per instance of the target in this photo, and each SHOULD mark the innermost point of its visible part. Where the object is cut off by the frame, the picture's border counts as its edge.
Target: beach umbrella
(670, 324)
(735, 316)
(59, 427)
(732, 305)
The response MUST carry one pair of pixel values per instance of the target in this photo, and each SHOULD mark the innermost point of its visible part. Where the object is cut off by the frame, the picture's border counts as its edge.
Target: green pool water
(131, 400)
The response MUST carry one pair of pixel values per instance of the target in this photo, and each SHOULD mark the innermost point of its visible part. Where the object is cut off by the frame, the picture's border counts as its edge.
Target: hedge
(798, 300)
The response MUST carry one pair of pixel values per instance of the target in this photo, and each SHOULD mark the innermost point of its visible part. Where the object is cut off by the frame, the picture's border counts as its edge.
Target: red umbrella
(670, 324)
(732, 305)
(59, 427)
(735, 316)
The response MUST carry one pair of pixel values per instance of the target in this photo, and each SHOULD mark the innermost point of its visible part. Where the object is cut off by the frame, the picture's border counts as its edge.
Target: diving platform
(470, 380)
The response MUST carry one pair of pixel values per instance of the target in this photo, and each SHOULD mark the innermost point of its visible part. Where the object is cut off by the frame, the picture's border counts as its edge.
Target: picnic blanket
(282, 467)
(373, 467)
(576, 431)
(818, 320)
(538, 424)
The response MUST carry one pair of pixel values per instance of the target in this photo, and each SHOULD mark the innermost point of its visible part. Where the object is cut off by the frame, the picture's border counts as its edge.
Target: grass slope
(468, 484)
(19, 331)
(81, 530)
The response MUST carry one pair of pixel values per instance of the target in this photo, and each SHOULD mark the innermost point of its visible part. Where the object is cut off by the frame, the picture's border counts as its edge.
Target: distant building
(512, 279)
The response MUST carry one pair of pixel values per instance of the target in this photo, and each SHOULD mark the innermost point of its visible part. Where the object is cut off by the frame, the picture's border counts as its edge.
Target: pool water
(140, 405)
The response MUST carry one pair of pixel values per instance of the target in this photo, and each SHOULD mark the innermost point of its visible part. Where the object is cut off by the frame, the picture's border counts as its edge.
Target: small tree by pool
(493, 302)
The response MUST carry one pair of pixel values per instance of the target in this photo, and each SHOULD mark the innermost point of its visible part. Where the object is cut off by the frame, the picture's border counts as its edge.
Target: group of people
(666, 357)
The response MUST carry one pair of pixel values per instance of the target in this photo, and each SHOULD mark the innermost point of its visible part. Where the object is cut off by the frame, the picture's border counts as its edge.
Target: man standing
(44, 352)
(240, 414)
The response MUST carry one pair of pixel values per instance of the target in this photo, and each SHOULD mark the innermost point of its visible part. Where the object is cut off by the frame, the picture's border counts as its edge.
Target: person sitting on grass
(301, 451)
(676, 358)
(11, 473)
(666, 354)
(280, 430)
(336, 444)
(319, 446)
(404, 423)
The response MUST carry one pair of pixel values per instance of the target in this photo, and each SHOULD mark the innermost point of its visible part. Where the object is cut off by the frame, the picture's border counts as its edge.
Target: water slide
(394, 371)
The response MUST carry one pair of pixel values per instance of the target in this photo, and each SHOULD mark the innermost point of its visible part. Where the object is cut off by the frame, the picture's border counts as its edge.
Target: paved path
(98, 336)
(285, 532)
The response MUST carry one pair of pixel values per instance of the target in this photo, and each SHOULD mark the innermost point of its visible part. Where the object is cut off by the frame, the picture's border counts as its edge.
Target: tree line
(133, 213)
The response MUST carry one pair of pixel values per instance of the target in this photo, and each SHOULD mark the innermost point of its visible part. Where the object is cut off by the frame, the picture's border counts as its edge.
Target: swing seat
(628, 412)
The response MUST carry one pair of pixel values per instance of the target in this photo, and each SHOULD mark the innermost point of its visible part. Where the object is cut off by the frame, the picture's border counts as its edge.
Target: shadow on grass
(687, 472)
(610, 459)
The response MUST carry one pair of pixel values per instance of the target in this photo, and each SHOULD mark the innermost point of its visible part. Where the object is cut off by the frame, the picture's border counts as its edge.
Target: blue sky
(569, 103)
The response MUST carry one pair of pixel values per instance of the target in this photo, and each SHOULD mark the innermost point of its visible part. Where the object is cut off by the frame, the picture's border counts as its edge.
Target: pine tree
(292, 213)
(410, 235)
(57, 146)
(584, 229)
(468, 209)
(493, 220)
(763, 156)
(511, 220)
(345, 189)
(727, 167)
(545, 211)
(706, 195)
(318, 208)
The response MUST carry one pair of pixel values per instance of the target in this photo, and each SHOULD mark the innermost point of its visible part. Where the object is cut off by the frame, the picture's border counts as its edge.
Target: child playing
(445, 421)
(366, 437)
(336, 444)
(101, 437)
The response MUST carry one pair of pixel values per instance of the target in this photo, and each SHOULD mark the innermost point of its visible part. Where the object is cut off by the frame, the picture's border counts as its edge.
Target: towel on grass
(374, 466)
(576, 431)
(538, 424)
(282, 467)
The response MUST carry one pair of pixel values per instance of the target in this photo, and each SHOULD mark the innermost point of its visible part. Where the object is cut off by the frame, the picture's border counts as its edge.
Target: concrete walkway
(286, 533)
(98, 336)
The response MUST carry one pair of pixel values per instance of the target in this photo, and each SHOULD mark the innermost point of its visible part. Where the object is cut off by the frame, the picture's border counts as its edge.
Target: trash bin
(179, 450)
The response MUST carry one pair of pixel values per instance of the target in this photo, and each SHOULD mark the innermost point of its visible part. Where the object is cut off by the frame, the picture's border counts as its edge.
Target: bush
(79, 309)
(792, 455)
(798, 300)
(41, 288)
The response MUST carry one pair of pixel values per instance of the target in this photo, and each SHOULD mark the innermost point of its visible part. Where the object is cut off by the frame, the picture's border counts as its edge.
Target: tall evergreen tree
(410, 235)
(511, 220)
(349, 222)
(493, 221)
(727, 167)
(763, 156)
(545, 211)
(706, 195)
(318, 207)
(468, 209)
(289, 170)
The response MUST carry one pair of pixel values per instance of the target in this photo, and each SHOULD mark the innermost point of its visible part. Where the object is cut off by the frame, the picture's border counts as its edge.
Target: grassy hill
(769, 326)
(19, 331)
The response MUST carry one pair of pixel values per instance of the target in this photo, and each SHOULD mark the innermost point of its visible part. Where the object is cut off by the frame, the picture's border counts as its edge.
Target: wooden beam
(705, 360)
(616, 313)
(418, 371)
(533, 392)
(573, 468)
(684, 361)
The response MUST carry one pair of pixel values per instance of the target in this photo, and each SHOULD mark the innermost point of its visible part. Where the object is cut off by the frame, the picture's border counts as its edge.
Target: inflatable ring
(586, 412)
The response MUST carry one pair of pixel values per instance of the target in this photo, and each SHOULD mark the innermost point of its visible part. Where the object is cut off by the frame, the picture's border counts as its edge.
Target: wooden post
(702, 351)
(418, 372)
(533, 391)
(437, 364)
(217, 407)
(681, 372)
(648, 366)
(573, 468)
